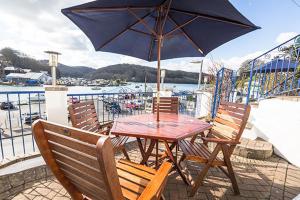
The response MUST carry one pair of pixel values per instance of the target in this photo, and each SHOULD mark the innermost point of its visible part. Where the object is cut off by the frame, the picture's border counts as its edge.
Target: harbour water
(132, 87)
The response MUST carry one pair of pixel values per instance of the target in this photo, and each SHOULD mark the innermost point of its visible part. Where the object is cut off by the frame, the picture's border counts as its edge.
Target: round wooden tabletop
(171, 127)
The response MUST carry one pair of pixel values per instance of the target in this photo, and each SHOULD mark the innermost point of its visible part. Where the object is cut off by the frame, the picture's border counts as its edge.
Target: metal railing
(224, 89)
(275, 72)
(20, 109)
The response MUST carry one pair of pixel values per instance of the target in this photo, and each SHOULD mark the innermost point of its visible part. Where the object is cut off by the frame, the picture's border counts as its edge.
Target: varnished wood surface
(171, 127)
(83, 162)
(226, 131)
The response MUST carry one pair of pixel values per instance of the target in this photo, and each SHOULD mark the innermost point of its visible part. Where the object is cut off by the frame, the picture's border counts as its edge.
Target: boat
(37, 97)
(96, 88)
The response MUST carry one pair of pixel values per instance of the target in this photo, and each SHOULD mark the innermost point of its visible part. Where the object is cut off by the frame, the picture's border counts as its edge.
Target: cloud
(33, 26)
(283, 37)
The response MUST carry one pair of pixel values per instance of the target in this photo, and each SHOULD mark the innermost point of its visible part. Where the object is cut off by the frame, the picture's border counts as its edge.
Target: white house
(22, 78)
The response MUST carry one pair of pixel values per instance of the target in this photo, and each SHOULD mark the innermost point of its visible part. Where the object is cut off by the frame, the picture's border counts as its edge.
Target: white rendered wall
(57, 104)
(278, 122)
(203, 104)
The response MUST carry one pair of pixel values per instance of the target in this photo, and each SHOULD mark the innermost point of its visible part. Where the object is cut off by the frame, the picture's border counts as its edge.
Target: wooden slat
(73, 133)
(230, 113)
(85, 186)
(91, 171)
(133, 178)
(227, 123)
(141, 167)
(138, 189)
(237, 105)
(230, 118)
(129, 194)
(84, 158)
(232, 109)
(95, 180)
(135, 171)
(72, 143)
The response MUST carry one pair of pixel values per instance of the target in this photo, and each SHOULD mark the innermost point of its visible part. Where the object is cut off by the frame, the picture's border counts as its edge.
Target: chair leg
(199, 180)
(125, 153)
(204, 171)
(182, 158)
(230, 170)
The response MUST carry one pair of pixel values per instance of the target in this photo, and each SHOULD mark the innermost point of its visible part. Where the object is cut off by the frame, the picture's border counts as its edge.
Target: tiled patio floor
(273, 178)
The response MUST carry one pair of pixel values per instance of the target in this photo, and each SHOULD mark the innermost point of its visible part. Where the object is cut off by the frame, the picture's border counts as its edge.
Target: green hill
(129, 72)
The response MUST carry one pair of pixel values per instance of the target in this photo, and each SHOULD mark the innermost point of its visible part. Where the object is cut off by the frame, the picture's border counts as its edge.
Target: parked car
(73, 100)
(30, 118)
(6, 106)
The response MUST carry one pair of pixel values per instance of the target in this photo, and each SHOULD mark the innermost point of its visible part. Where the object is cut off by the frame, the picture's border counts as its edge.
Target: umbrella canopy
(131, 27)
(159, 29)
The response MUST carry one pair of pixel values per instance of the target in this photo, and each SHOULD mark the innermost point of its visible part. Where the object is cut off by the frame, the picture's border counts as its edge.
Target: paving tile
(273, 178)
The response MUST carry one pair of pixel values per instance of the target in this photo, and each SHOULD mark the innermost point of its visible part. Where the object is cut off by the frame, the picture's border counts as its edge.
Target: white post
(203, 103)
(56, 96)
(57, 104)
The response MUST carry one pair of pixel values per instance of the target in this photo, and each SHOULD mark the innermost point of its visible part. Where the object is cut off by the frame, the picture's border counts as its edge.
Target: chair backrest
(83, 115)
(82, 161)
(166, 105)
(230, 120)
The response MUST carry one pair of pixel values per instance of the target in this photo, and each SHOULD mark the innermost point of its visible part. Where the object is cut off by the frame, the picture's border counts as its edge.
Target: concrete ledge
(254, 149)
(19, 175)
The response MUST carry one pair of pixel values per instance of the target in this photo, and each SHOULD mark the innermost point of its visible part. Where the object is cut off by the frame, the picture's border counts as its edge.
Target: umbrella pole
(158, 75)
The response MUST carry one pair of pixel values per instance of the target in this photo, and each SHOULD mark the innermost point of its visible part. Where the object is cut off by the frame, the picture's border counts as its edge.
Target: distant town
(25, 77)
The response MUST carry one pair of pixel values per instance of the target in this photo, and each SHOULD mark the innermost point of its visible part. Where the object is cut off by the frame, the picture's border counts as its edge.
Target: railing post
(295, 69)
(249, 83)
(215, 96)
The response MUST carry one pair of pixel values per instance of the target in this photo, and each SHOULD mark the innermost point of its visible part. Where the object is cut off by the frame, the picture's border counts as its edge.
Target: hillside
(136, 73)
(129, 72)
(20, 60)
(72, 71)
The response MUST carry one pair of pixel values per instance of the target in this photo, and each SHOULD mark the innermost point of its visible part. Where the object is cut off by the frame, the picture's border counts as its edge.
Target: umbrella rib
(109, 9)
(152, 42)
(186, 35)
(166, 15)
(182, 25)
(141, 20)
(220, 19)
(116, 36)
(142, 32)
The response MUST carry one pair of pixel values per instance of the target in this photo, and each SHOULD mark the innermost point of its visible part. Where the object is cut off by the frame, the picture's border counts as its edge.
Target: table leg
(146, 152)
(174, 159)
(142, 149)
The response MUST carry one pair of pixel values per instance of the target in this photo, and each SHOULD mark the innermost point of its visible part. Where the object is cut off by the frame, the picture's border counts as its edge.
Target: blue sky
(273, 16)
(33, 26)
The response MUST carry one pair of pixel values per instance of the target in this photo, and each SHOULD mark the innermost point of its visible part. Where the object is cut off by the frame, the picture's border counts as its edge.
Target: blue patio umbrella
(155, 30)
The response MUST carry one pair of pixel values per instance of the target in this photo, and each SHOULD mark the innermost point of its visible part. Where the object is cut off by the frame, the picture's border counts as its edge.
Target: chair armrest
(219, 140)
(107, 124)
(156, 186)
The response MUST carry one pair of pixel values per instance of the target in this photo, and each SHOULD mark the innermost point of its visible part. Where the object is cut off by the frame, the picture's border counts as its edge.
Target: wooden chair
(226, 132)
(83, 162)
(166, 105)
(83, 115)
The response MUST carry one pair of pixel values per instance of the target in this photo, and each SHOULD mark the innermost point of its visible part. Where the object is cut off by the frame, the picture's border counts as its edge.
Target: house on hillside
(30, 78)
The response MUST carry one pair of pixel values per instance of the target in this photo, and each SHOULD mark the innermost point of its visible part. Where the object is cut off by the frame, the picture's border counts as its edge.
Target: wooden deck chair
(166, 105)
(226, 132)
(83, 162)
(83, 115)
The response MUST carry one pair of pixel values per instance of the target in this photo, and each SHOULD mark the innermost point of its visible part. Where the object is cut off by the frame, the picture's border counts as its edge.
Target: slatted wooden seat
(83, 115)
(166, 105)
(83, 162)
(226, 132)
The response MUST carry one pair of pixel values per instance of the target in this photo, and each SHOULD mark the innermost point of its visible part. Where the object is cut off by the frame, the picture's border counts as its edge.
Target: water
(114, 89)
(132, 87)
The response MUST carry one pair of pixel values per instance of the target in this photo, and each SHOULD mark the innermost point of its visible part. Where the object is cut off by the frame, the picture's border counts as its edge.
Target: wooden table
(170, 129)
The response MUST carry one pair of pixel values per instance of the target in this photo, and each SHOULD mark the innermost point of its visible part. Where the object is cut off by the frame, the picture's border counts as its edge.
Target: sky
(33, 26)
